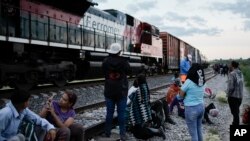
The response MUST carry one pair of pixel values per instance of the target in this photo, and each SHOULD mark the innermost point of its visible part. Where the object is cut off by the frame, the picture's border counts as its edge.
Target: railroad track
(95, 129)
(98, 128)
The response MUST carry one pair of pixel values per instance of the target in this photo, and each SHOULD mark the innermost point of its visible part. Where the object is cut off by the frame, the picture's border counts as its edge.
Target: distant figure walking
(235, 91)
(185, 66)
(115, 69)
(193, 93)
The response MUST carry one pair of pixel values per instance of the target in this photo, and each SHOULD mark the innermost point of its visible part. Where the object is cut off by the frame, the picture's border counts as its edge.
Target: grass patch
(222, 100)
(221, 97)
(212, 135)
(246, 73)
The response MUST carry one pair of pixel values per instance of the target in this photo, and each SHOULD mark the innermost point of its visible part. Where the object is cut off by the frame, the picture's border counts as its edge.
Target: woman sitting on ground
(61, 114)
(138, 111)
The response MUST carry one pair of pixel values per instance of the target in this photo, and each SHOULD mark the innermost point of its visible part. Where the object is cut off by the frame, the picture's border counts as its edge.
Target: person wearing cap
(184, 67)
(15, 112)
(115, 70)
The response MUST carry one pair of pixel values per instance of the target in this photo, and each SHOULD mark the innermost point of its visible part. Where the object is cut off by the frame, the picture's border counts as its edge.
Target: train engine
(48, 41)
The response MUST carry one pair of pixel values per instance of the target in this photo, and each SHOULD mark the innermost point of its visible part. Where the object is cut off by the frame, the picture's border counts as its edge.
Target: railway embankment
(218, 131)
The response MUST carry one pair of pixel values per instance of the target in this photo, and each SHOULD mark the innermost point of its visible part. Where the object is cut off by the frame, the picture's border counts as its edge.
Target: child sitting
(178, 101)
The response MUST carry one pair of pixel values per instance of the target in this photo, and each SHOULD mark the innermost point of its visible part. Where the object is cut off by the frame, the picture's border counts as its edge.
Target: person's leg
(234, 104)
(191, 115)
(237, 111)
(121, 107)
(199, 122)
(76, 131)
(40, 133)
(63, 134)
(110, 105)
(156, 132)
(141, 133)
(207, 109)
(172, 104)
(18, 137)
(166, 112)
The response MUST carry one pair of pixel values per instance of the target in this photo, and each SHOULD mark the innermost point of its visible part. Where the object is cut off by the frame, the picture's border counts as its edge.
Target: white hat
(115, 48)
(189, 57)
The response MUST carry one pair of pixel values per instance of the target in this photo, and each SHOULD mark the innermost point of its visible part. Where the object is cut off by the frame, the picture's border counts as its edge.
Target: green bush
(246, 73)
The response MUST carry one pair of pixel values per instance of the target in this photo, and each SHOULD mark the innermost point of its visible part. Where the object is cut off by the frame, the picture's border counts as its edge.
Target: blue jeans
(121, 106)
(193, 117)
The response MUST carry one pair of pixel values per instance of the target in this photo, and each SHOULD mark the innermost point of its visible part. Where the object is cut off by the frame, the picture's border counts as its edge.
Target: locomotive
(57, 41)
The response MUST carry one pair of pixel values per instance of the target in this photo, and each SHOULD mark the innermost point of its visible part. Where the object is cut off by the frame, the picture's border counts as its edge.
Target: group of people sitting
(173, 99)
(56, 120)
(146, 120)
(54, 123)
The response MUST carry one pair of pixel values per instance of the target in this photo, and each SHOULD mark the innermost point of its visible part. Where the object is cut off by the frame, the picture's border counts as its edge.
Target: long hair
(196, 74)
(71, 96)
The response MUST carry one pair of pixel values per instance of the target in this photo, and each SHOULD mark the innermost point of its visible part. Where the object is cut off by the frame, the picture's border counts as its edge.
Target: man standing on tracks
(235, 91)
(184, 67)
(115, 69)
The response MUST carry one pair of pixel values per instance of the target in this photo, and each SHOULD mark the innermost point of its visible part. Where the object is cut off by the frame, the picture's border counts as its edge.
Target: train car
(175, 50)
(171, 51)
(44, 41)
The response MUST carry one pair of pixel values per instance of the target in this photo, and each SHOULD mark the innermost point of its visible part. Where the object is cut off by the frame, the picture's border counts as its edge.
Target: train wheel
(27, 80)
(31, 77)
(60, 79)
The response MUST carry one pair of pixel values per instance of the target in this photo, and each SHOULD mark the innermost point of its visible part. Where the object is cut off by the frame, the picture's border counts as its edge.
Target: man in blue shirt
(15, 112)
(184, 67)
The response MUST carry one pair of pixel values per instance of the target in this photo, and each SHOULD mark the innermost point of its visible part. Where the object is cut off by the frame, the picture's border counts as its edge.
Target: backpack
(27, 128)
(246, 116)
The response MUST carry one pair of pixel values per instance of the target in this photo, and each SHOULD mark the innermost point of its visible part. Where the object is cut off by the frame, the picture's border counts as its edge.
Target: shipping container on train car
(182, 50)
(171, 51)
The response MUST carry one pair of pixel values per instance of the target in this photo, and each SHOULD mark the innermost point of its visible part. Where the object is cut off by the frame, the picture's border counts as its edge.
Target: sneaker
(162, 133)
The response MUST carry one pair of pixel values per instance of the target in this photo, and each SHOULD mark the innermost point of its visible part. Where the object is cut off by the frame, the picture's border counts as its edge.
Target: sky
(220, 29)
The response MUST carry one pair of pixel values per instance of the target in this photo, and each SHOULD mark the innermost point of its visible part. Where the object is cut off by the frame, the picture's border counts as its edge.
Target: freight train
(57, 41)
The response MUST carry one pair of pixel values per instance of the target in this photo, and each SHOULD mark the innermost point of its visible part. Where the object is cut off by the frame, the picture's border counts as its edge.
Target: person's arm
(38, 120)
(3, 122)
(182, 93)
(184, 88)
(56, 119)
(44, 112)
(230, 85)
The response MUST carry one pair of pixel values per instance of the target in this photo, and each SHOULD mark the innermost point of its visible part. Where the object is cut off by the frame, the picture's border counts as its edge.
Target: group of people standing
(133, 105)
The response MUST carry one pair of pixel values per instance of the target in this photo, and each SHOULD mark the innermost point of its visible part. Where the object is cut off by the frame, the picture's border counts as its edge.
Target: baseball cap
(115, 48)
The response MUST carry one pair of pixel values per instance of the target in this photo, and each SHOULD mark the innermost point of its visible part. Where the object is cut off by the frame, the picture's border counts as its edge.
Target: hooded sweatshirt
(235, 84)
(115, 69)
